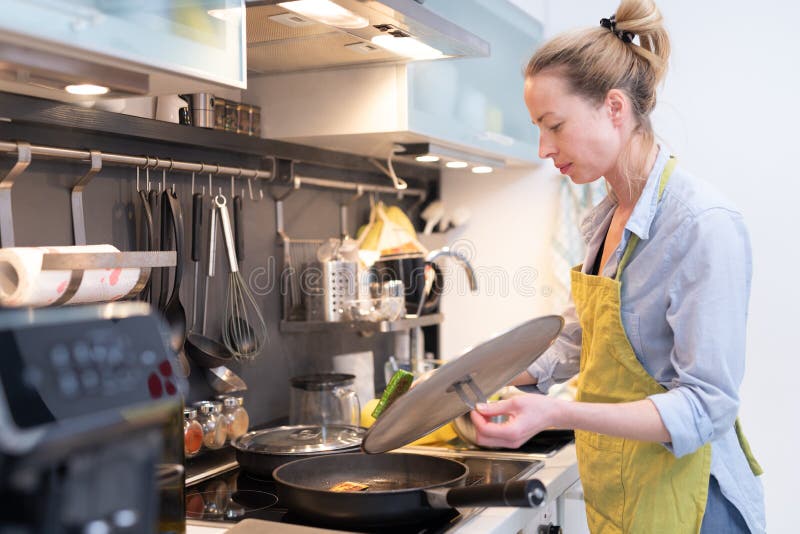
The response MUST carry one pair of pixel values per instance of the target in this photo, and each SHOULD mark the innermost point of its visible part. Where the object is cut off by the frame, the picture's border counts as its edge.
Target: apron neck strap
(634, 239)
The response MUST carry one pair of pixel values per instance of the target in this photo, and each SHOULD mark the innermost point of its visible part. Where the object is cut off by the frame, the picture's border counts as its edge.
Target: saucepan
(391, 489)
(260, 452)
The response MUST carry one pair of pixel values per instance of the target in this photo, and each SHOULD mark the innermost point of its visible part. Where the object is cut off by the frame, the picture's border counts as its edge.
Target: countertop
(559, 472)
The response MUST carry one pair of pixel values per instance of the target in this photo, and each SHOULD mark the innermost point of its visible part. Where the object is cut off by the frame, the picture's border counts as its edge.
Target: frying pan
(403, 489)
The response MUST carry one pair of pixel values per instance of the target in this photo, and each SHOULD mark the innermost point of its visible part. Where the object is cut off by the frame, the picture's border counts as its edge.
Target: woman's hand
(527, 415)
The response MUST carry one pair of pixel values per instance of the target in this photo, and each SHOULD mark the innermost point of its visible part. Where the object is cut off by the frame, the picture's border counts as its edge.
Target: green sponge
(399, 384)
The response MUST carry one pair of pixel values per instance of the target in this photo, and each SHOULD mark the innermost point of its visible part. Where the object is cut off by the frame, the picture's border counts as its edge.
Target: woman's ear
(617, 106)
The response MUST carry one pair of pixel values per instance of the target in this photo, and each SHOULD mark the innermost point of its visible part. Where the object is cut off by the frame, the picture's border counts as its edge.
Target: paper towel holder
(80, 262)
(6, 183)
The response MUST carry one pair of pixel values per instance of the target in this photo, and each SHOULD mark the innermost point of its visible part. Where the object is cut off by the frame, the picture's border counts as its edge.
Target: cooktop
(235, 495)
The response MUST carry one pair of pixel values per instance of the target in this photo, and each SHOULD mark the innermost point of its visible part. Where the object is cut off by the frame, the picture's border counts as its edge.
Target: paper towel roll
(24, 283)
(362, 365)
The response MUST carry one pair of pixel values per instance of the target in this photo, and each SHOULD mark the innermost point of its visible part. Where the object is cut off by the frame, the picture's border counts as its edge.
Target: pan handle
(520, 493)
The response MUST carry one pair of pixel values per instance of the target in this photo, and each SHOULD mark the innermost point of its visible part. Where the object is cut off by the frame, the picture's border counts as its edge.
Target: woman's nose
(546, 149)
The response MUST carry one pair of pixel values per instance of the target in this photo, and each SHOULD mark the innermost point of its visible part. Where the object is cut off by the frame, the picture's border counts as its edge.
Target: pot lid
(456, 386)
(321, 382)
(300, 439)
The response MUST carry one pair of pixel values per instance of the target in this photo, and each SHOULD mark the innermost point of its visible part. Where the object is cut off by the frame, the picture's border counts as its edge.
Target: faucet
(459, 257)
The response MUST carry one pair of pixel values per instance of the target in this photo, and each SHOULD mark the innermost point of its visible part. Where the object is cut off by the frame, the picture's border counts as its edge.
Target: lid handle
(459, 388)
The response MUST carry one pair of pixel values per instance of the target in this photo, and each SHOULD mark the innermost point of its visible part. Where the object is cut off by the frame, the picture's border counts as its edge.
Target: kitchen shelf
(362, 326)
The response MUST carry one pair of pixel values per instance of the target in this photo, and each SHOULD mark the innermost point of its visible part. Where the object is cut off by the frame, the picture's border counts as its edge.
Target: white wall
(730, 111)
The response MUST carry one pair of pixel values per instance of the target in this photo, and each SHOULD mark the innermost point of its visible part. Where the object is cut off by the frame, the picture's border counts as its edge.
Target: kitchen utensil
(197, 223)
(456, 386)
(223, 380)
(148, 237)
(173, 310)
(324, 399)
(240, 303)
(430, 278)
(261, 451)
(402, 489)
(238, 228)
(329, 293)
(152, 200)
(204, 351)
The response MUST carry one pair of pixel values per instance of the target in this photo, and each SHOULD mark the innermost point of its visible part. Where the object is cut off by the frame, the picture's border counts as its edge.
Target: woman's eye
(556, 127)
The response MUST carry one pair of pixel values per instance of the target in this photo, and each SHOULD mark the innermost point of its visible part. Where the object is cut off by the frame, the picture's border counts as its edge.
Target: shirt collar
(643, 212)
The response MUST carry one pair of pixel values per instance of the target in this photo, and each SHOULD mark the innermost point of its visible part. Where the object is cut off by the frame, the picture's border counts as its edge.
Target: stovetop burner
(236, 495)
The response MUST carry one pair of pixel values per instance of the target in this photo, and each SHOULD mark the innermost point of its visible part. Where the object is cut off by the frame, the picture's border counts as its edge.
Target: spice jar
(255, 121)
(219, 113)
(231, 117)
(192, 433)
(243, 114)
(236, 418)
(213, 429)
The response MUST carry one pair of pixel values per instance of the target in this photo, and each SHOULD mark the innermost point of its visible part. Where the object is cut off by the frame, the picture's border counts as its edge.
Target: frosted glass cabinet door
(202, 39)
(478, 102)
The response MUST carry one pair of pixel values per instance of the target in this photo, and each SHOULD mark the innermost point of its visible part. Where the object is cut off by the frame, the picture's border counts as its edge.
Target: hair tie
(611, 24)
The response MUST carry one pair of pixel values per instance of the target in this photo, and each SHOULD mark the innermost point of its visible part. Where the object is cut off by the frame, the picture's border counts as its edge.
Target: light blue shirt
(685, 294)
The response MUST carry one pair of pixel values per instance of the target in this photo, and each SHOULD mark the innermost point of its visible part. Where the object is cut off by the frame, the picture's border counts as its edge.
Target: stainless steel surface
(244, 331)
(223, 380)
(459, 258)
(486, 368)
(274, 47)
(149, 162)
(6, 183)
(300, 439)
(76, 196)
(363, 326)
(328, 297)
(108, 260)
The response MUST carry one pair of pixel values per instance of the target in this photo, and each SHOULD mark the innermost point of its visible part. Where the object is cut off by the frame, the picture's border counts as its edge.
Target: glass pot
(324, 399)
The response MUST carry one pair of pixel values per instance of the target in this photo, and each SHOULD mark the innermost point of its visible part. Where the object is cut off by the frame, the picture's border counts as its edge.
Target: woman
(657, 321)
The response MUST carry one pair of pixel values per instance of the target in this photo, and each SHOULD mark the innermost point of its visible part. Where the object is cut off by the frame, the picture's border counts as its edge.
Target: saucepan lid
(300, 439)
(455, 387)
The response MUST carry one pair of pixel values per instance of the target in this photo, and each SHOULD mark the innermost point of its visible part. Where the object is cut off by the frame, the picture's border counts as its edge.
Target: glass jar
(243, 113)
(219, 113)
(192, 433)
(231, 117)
(213, 429)
(255, 121)
(236, 417)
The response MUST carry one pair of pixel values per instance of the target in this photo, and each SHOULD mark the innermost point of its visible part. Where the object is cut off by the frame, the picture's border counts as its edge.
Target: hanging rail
(212, 168)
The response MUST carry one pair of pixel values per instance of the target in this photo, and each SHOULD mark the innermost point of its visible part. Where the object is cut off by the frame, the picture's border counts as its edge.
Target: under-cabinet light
(233, 14)
(326, 12)
(427, 159)
(482, 169)
(407, 46)
(86, 89)
(456, 164)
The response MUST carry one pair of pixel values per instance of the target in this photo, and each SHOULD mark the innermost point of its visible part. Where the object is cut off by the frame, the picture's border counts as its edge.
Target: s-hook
(78, 222)
(6, 217)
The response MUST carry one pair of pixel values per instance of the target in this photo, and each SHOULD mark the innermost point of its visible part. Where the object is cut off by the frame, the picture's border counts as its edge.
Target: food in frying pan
(348, 486)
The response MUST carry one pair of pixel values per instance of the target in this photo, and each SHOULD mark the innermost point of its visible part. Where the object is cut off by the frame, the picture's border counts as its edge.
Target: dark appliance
(90, 422)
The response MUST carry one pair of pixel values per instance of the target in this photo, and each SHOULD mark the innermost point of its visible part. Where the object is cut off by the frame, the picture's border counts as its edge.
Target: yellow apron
(630, 486)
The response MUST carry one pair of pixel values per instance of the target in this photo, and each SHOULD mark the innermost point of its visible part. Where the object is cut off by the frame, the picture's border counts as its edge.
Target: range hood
(282, 37)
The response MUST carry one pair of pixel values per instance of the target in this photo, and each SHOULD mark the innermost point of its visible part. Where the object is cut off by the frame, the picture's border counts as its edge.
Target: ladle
(174, 312)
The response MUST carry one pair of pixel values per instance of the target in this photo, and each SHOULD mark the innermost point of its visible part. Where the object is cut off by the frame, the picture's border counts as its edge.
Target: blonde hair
(595, 60)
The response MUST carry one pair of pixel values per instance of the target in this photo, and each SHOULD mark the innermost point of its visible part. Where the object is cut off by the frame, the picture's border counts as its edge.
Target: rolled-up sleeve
(709, 286)
(561, 361)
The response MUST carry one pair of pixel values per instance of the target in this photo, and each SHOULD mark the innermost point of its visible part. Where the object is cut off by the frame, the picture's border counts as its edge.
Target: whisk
(244, 332)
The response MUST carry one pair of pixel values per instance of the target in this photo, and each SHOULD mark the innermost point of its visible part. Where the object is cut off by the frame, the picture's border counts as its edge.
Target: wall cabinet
(470, 105)
(167, 41)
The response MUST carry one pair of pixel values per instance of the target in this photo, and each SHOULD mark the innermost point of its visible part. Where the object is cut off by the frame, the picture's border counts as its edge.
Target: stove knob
(549, 529)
